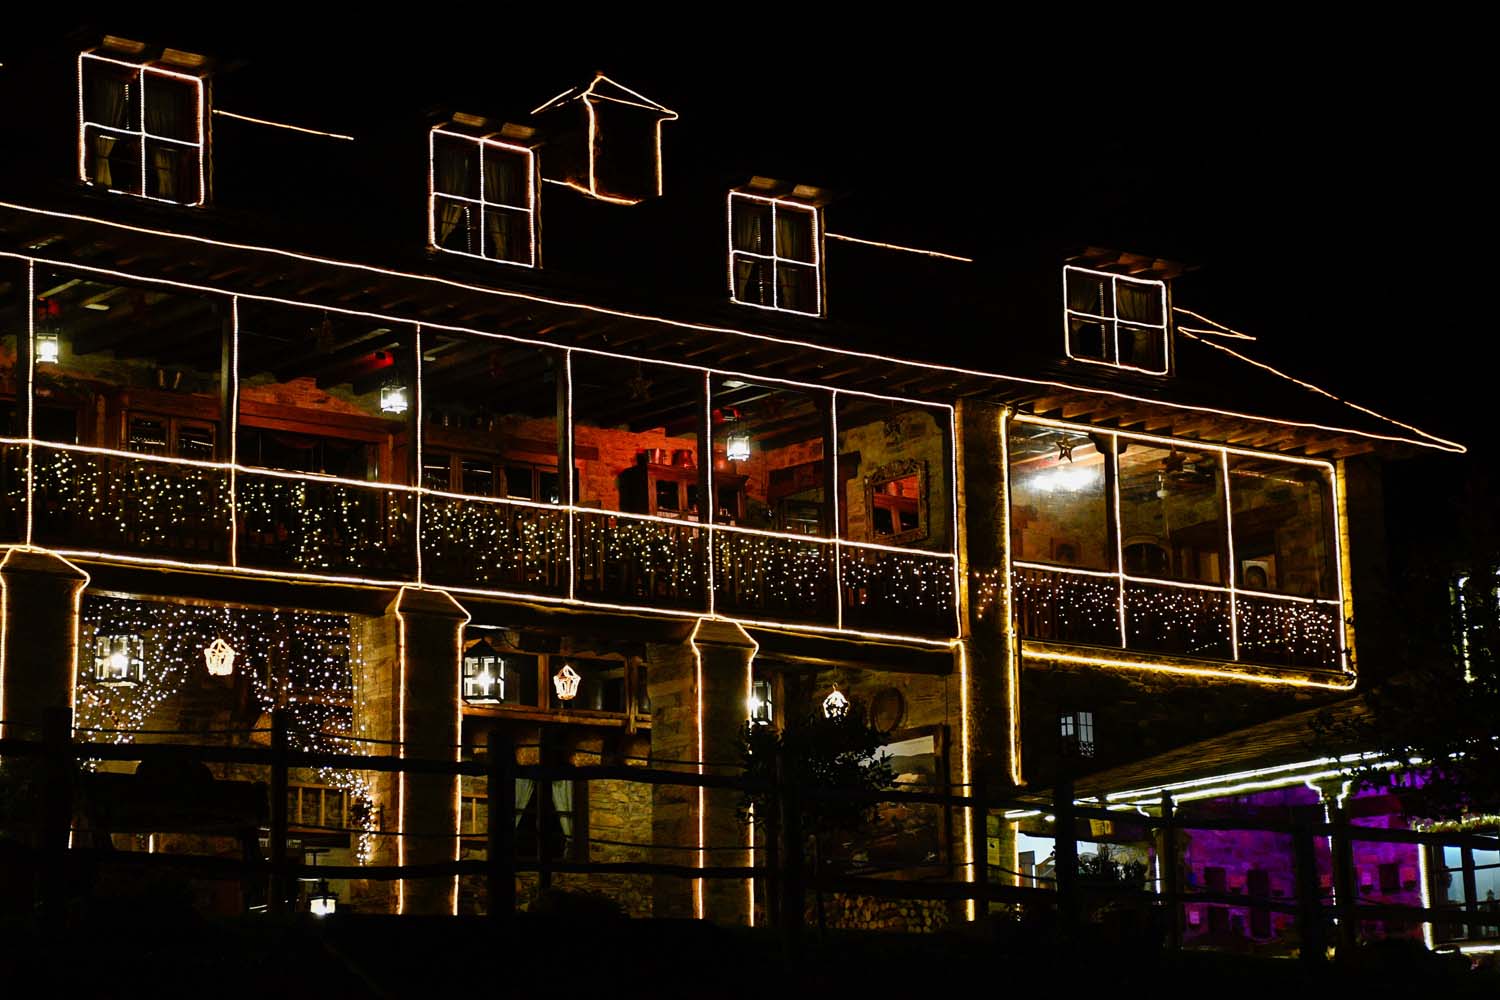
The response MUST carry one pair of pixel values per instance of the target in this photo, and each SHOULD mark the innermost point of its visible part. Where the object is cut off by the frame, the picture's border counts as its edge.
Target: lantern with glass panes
(484, 674)
(393, 398)
(760, 703)
(48, 335)
(119, 655)
(1076, 730)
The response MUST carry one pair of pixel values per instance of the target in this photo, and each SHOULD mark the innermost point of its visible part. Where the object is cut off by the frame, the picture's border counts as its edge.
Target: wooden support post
(1309, 893)
(57, 804)
(548, 754)
(1066, 853)
(280, 883)
(793, 890)
(1170, 869)
(1345, 885)
(979, 838)
(501, 839)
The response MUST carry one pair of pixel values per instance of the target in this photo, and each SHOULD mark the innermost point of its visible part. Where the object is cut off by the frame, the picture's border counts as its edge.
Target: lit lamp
(836, 705)
(219, 658)
(566, 682)
(760, 703)
(737, 449)
(119, 657)
(48, 343)
(484, 674)
(323, 901)
(393, 398)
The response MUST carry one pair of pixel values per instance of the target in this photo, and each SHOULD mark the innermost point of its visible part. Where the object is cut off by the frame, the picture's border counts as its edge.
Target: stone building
(303, 446)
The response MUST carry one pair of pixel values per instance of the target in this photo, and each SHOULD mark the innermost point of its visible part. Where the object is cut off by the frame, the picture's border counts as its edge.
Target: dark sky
(1324, 176)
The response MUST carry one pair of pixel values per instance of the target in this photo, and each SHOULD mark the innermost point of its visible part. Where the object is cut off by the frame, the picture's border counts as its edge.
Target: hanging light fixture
(836, 705)
(219, 658)
(737, 449)
(566, 682)
(119, 656)
(48, 341)
(760, 703)
(484, 674)
(323, 901)
(393, 398)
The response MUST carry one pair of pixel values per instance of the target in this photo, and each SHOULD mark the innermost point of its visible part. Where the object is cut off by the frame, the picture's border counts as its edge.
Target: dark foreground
(135, 953)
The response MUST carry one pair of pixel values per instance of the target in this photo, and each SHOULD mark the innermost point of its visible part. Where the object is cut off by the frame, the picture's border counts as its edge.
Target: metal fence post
(1065, 852)
(280, 884)
(793, 890)
(1309, 893)
(57, 806)
(501, 835)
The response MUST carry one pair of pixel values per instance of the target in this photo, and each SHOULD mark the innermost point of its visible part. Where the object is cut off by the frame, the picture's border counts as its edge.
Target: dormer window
(1113, 319)
(141, 129)
(483, 197)
(774, 254)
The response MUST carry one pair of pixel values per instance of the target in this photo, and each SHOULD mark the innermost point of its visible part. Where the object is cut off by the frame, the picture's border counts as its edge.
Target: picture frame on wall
(1258, 573)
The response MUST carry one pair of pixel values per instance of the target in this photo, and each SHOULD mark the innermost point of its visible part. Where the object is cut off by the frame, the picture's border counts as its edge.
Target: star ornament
(1064, 449)
(836, 705)
(566, 682)
(219, 657)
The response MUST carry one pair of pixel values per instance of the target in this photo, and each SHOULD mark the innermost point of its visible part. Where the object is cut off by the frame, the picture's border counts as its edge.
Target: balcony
(494, 545)
(641, 561)
(1203, 623)
(326, 527)
(773, 578)
(886, 589)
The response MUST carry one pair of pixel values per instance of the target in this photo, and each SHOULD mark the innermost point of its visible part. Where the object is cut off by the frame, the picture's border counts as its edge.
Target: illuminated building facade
(570, 450)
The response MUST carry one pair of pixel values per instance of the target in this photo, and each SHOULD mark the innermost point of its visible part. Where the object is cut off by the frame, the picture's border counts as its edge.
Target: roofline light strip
(1225, 673)
(290, 128)
(1431, 441)
(896, 246)
(1220, 330)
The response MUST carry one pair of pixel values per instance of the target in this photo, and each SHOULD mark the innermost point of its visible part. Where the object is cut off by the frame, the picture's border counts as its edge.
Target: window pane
(324, 393)
(797, 287)
(768, 456)
(1171, 513)
(195, 441)
(1090, 339)
(601, 688)
(794, 234)
(506, 178)
(478, 477)
(1282, 519)
(455, 166)
(752, 280)
(437, 471)
(507, 235)
(1142, 347)
(171, 107)
(1059, 510)
(751, 225)
(1088, 293)
(114, 160)
(1139, 303)
(894, 474)
(520, 482)
(111, 94)
(171, 171)
(455, 225)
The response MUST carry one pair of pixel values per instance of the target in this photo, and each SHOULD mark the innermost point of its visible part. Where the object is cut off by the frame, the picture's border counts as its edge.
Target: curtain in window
(562, 802)
(794, 235)
(109, 102)
(166, 165)
(505, 178)
(524, 789)
(450, 176)
(751, 219)
(169, 110)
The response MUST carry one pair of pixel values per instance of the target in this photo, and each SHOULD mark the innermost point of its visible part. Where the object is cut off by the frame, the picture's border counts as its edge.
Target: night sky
(1323, 177)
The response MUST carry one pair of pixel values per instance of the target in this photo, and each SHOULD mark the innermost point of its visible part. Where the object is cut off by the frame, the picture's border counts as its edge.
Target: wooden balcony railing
(492, 544)
(641, 561)
(326, 527)
(886, 590)
(774, 578)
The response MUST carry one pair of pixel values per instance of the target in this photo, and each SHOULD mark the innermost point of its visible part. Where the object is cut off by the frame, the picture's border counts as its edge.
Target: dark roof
(1287, 740)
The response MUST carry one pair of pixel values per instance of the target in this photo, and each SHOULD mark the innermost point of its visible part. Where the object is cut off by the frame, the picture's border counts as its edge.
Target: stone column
(407, 691)
(698, 703)
(38, 638)
(988, 667)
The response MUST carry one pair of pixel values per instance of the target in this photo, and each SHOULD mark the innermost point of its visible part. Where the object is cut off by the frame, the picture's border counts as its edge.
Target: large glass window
(142, 130)
(1466, 878)
(894, 482)
(1172, 513)
(483, 198)
(1059, 498)
(325, 393)
(1283, 523)
(768, 457)
(774, 254)
(1116, 320)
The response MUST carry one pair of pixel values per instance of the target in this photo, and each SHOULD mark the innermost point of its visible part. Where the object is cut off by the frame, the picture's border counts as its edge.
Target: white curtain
(524, 789)
(562, 802)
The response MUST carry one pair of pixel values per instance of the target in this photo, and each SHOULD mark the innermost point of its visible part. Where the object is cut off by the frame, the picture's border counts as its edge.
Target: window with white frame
(1466, 877)
(483, 200)
(1115, 320)
(141, 129)
(774, 254)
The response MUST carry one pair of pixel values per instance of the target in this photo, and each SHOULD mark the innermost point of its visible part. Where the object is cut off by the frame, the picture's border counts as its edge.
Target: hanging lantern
(323, 902)
(738, 448)
(566, 682)
(760, 703)
(219, 657)
(393, 398)
(836, 705)
(119, 659)
(48, 342)
(484, 674)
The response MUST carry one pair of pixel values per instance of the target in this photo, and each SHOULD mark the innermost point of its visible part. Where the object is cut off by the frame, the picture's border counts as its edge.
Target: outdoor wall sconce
(323, 902)
(484, 674)
(737, 449)
(48, 343)
(836, 705)
(119, 658)
(393, 398)
(566, 682)
(760, 703)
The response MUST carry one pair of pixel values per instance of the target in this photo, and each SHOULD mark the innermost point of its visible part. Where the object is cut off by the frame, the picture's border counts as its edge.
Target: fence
(785, 872)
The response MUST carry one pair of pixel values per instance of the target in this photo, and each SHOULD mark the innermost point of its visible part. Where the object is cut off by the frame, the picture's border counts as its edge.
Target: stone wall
(868, 913)
(908, 434)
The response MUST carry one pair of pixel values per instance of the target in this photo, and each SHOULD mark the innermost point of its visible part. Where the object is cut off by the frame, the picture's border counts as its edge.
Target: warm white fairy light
(1111, 323)
(141, 133)
(588, 95)
(219, 658)
(483, 205)
(836, 705)
(773, 260)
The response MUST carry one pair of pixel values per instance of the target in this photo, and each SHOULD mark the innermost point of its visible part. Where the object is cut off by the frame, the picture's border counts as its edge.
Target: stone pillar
(38, 638)
(988, 667)
(407, 691)
(698, 693)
